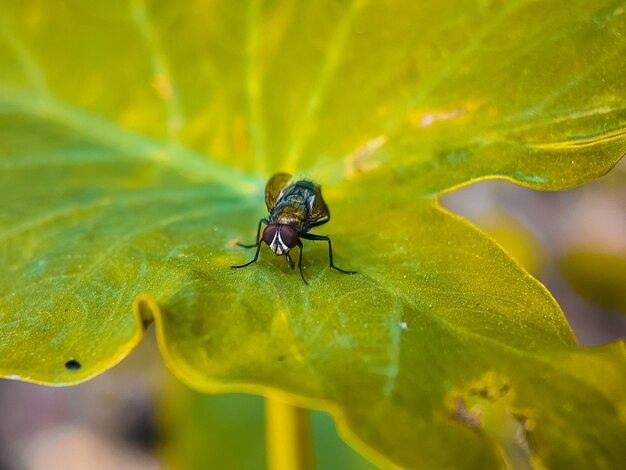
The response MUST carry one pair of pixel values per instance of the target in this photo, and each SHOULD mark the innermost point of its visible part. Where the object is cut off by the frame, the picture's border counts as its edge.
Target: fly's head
(280, 238)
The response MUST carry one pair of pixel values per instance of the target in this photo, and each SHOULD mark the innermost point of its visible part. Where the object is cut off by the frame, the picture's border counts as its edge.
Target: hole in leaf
(72, 364)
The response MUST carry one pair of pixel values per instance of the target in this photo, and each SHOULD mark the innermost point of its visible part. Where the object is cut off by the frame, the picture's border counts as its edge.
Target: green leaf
(135, 140)
(516, 238)
(600, 277)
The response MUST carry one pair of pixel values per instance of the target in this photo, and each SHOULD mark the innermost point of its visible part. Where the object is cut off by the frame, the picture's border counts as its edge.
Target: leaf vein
(329, 68)
(192, 165)
(164, 82)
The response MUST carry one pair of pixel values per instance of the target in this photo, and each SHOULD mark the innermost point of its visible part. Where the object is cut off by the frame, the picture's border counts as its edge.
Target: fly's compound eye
(289, 236)
(269, 233)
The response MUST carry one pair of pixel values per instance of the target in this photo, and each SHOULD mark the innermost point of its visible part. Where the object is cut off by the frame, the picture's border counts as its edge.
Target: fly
(294, 209)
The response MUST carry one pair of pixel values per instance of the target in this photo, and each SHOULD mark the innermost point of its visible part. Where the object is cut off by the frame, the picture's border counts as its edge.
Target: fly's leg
(310, 236)
(257, 245)
(300, 263)
(256, 256)
(290, 262)
(258, 235)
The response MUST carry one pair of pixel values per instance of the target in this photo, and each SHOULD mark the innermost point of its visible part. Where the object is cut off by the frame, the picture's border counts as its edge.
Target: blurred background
(137, 416)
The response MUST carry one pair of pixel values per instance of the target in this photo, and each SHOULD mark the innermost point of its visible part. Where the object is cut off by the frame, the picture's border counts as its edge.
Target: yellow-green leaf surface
(135, 141)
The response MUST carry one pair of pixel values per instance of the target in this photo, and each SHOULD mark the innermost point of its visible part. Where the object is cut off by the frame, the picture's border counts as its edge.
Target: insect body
(294, 209)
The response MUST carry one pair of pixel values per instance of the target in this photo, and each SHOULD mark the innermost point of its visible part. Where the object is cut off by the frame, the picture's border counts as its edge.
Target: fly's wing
(319, 212)
(274, 186)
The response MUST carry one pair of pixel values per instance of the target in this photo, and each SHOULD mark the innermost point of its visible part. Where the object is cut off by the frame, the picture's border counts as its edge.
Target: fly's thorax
(293, 208)
(289, 214)
(293, 219)
(280, 238)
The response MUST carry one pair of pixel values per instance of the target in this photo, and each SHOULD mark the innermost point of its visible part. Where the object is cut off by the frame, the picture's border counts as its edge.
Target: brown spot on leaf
(487, 406)
(462, 414)
(360, 160)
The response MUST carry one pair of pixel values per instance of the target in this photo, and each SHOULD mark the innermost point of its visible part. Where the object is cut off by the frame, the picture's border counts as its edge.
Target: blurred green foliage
(599, 277)
(228, 430)
(200, 431)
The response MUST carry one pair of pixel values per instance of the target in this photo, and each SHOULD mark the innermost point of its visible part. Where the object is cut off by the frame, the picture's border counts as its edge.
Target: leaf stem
(288, 435)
